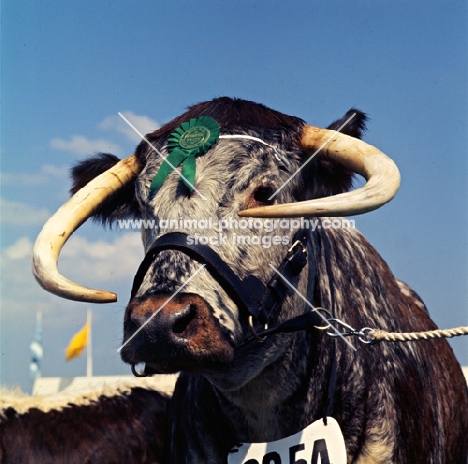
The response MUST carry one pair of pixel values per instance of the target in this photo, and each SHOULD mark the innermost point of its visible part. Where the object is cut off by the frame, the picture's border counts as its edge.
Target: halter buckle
(256, 335)
(295, 244)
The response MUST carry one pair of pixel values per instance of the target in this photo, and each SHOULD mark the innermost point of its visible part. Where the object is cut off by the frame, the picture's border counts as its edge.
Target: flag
(35, 347)
(77, 343)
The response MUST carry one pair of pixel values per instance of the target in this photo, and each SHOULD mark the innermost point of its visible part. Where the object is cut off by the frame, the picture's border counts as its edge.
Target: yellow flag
(77, 343)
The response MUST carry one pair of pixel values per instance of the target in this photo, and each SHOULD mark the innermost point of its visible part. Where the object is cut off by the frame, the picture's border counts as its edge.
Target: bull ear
(120, 205)
(329, 177)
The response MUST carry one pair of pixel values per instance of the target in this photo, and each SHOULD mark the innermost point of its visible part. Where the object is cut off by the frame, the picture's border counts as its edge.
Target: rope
(369, 335)
(376, 335)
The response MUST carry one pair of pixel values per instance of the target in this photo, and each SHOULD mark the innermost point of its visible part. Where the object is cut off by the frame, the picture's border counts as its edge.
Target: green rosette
(193, 138)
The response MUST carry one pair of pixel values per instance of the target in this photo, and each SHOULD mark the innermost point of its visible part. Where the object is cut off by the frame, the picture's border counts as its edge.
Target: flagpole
(89, 349)
(36, 350)
(39, 324)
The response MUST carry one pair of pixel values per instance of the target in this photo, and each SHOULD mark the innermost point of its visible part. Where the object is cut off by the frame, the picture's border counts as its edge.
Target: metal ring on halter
(325, 327)
(365, 335)
(258, 337)
(138, 374)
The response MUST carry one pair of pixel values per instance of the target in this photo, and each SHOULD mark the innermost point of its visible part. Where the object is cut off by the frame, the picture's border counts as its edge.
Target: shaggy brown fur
(126, 427)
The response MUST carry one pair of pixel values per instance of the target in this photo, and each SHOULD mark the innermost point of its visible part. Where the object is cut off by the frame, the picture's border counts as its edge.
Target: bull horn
(65, 221)
(380, 172)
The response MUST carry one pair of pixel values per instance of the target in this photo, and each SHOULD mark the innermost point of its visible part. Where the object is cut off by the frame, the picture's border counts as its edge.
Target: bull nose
(172, 320)
(176, 320)
(174, 334)
(176, 315)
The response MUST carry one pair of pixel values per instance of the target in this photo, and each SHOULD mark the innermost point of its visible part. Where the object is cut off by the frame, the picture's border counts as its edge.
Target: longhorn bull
(240, 320)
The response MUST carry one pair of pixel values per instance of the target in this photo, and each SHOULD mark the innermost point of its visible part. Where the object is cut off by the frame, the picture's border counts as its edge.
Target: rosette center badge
(191, 139)
(194, 137)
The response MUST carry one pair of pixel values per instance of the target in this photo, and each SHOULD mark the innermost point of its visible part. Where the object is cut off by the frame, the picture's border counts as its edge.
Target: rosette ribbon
(191, 139)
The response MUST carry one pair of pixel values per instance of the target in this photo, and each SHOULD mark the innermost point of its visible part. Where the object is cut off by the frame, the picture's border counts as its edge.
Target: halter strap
(255, 139)
(249, 294)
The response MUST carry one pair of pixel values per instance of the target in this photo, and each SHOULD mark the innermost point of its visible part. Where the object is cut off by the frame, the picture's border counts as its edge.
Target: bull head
(183, 324)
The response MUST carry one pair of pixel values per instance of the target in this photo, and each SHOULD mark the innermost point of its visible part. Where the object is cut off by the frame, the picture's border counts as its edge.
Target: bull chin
(172, 360)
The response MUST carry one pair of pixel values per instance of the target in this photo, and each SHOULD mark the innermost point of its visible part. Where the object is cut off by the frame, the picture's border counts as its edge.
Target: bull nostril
(184, 317)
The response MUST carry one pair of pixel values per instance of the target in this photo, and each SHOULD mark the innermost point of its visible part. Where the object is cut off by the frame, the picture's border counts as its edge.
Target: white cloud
(91, 262)
(96, 264)
(45, 176)
(20, 214)
(144, 124)
(81, 145)
(20, 249)
(86, 261)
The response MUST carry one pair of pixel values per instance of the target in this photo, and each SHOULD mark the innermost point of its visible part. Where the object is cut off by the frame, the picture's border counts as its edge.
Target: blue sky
(68, 68)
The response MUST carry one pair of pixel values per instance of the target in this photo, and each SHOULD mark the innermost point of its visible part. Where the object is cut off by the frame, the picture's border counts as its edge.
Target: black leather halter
(250, 294)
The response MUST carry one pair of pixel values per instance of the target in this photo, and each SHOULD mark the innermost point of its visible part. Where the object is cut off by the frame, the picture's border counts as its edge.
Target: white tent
(44, 386)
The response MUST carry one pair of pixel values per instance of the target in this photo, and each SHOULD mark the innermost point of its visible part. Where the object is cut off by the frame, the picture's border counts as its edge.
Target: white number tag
(316, 444)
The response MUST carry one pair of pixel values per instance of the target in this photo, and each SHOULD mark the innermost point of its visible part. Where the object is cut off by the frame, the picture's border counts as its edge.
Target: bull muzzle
(172, 333)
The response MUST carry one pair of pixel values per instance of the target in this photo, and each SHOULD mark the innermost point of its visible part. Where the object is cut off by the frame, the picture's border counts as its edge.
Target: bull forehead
(225, 176)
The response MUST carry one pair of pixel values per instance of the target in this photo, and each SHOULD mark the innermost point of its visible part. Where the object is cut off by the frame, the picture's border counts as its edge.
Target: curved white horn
(65, 221)
(380, 172)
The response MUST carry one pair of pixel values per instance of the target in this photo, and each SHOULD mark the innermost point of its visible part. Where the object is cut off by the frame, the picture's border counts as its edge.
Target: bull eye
(263, 194)
(261, 197)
